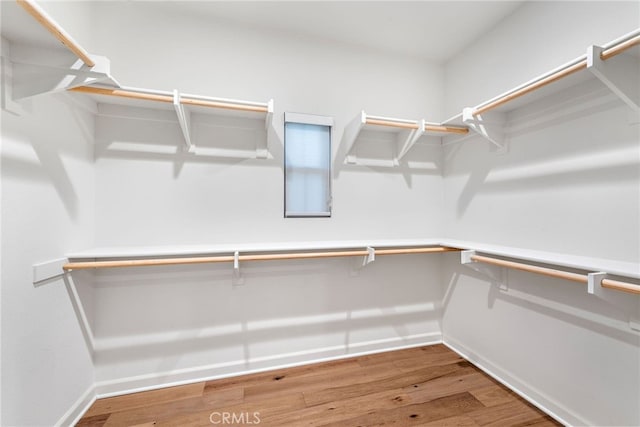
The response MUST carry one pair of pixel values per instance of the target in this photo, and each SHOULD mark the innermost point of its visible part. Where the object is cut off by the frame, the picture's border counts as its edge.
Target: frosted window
(307, 153)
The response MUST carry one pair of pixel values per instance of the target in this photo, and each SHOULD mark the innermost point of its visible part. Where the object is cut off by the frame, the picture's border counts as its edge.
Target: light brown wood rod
(123, 93)
(619, 48)
(621, 286)
(390, 123)
(449, 129)
(168, 98)
(225, 105)
(144, 262)
(255, 257)
(575, 277)
(530, 88)
(58, 32)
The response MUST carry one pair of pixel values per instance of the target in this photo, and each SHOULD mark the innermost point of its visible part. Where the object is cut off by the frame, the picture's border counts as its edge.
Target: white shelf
(614, 267)
(107, 253)
(620, 268)
(203, 121)
(365, 133)
(40, 57)
(614, 65)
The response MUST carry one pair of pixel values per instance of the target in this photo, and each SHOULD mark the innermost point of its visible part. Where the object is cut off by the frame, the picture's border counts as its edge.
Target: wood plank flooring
(424, 386)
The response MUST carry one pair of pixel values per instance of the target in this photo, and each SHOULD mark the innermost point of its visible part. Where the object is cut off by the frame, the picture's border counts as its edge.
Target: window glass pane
(307, 169)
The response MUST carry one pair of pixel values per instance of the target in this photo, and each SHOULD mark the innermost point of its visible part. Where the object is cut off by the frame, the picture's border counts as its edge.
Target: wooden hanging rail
(620, 47)
(392, 123)
(447, 129)
(571, 68)
(575, 277)
(378, 121)
(168, 98)
(252, 257)
(58, 32)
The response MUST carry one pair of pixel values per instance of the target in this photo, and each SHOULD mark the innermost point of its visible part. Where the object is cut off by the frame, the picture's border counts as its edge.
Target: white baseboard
(528, 393)
(75, 412)
(153, 381)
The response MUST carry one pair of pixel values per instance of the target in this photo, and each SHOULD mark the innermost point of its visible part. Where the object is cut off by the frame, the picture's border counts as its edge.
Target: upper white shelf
(401, 134)
(187, 110)
(41, 57)
(107, 253)
(614, 267)
(616, 65)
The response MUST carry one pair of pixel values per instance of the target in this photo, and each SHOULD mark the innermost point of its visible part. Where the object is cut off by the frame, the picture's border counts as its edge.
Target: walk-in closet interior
(198, 190)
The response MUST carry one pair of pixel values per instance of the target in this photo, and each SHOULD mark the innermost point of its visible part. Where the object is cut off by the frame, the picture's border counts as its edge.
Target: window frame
(317, 120)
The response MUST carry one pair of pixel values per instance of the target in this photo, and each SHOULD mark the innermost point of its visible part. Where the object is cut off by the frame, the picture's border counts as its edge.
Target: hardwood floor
(425, 386)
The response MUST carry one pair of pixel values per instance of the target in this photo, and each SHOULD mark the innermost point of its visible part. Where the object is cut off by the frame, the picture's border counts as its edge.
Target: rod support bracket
(594, 282)
(492, 130)
(237, 276)
(497, 275)
(370, 257)
(617, 74)
(465, 256)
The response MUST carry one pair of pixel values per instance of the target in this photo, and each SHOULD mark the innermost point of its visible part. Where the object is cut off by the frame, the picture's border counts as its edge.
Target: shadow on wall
(557, 141)
(565, 301)
(131, 133)
(51, 143)
(163, 316)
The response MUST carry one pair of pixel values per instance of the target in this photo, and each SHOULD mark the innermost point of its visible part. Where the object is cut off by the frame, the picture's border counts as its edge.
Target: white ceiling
(434, 30)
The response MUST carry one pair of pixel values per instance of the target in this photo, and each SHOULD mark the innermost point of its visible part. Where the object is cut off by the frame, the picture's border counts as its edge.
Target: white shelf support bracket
(237, 276)
(406, 140)
(49, 270)
(619, 74)
(184, 118)
(262, 145)
(497, 275)
(36, 71)
(627, 305)
(351, 132)
(492, 130)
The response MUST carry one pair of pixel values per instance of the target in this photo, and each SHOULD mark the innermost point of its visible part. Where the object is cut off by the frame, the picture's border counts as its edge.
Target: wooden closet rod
(575, 277)
(449, 129)
(621, 286)
(255, 257)
(58, 32)
(429, 127)
(391, 123)
(619, 48)
(123, 93)
(580, 65)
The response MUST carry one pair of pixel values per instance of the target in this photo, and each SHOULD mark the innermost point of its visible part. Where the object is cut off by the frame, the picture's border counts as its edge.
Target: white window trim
(312, 119)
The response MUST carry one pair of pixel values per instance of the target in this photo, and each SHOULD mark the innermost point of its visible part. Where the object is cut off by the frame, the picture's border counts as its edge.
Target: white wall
(569, 183)
(218, 198)
(159, 326)
(538, 37)
(47, 210)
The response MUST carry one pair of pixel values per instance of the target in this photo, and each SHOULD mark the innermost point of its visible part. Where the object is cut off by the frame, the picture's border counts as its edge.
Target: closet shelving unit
(147, 104)
(33, 66)
(39, 56)
(616, 65)
(405, 134)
